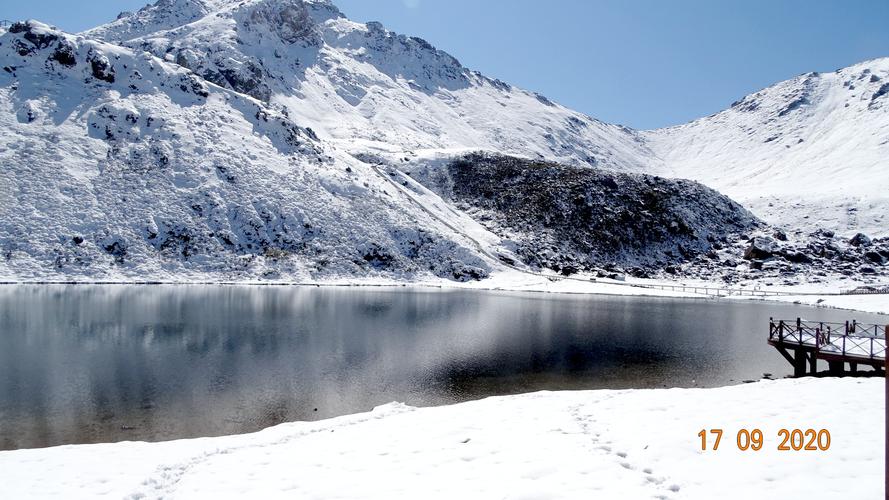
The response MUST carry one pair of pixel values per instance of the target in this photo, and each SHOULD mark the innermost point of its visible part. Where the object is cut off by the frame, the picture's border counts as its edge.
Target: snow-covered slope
(272, 139)
(117, 165)
(364, 87)
(804, 154)
(807, 153)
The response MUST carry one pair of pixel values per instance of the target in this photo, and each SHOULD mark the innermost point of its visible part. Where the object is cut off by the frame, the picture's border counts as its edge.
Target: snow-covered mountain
(807, 153)
(116, 165)
(278, 140)
(363, 87)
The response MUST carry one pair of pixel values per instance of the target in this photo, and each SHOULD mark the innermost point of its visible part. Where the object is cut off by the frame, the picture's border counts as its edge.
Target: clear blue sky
(643, 63)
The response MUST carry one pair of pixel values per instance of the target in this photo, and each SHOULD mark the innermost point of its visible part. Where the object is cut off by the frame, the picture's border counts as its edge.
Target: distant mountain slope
(807, 153)
(364, 87)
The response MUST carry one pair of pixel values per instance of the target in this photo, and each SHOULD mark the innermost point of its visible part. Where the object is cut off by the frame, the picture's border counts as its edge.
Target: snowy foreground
(599, 444)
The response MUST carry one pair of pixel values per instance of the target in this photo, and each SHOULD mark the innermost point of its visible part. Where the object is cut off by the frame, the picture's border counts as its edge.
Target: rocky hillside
(573, 219)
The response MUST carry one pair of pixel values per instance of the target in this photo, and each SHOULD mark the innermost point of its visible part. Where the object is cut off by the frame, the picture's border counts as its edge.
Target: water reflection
(110, 363)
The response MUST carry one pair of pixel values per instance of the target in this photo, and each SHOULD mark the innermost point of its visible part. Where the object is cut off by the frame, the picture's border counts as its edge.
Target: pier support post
(813, 364)
(836, 368)
(799, 363)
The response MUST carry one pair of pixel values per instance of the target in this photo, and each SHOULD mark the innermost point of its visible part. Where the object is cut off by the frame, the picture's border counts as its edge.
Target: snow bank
(599, 444)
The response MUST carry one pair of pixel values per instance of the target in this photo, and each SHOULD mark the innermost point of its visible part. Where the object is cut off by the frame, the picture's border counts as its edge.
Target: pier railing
(715, 292)
(869, 290)
(851, 340)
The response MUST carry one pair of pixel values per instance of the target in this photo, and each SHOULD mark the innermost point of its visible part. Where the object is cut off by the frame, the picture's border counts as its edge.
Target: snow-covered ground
(598, 444)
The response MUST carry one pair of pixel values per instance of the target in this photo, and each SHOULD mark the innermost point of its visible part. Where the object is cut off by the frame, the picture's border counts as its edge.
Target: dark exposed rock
(247, 79)
(780, 235)
(797, 257)
(569, 270)
(860, 240)
(101, 67)
(572, 219)
(29, 33)
(875, 257)
(191, 83)
(291, 21)
(377, 257)
(64, 54)
(760, 248)
(19, 27)
(466, 273)
(114, 246)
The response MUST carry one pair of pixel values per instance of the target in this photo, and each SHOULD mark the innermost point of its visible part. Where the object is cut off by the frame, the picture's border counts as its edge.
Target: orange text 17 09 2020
(753, 440)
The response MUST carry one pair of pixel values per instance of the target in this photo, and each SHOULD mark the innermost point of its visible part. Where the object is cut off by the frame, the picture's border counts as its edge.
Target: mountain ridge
(248, 143)
(370, 89)
(427, 101)
(810, 146)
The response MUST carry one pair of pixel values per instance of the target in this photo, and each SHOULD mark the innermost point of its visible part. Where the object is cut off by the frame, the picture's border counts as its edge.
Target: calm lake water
(93, 364)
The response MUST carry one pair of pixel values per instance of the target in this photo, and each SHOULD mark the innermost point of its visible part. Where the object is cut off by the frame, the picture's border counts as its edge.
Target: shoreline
(872, 304)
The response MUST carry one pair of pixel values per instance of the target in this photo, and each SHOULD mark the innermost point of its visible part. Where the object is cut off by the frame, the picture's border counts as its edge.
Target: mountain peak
(365, 86)
(165, 15)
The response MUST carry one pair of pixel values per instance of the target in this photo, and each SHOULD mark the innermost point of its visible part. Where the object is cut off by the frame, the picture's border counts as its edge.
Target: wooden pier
(803, 343)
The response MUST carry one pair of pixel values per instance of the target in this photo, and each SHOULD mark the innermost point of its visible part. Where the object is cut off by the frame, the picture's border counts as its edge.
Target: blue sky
(642, 63)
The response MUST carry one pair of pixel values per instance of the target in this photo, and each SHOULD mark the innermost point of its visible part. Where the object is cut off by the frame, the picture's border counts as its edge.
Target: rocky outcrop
(804, 258)
(572, 219)
(760, 248)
